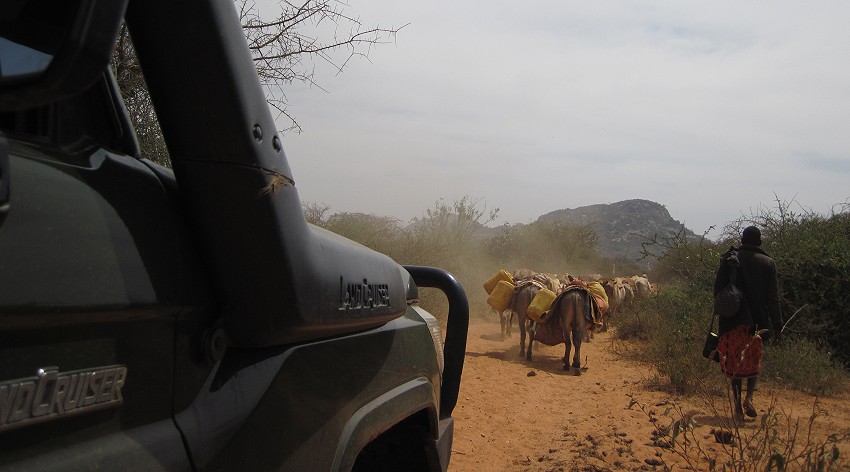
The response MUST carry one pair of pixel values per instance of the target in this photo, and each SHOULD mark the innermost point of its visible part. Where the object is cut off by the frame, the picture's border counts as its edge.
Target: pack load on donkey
(601, 299)
(540, 304)
(500, 288)
(594, 310)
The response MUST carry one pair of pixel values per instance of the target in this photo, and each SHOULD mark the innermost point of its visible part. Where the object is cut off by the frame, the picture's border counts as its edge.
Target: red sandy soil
(514, 415)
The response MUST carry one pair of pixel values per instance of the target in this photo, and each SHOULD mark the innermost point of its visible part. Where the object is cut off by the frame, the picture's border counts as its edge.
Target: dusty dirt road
(514, 415)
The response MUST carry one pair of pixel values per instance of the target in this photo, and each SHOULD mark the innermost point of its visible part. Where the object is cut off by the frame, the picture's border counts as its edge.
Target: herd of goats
(555, 309)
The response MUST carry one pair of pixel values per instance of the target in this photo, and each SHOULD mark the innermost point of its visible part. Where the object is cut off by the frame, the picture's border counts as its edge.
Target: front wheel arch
(407, 409)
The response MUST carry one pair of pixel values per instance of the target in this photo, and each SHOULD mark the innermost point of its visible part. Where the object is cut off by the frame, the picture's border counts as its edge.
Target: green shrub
(812, 253)
(673, 325)
(632, 322)
(813, 259)
(805, 366)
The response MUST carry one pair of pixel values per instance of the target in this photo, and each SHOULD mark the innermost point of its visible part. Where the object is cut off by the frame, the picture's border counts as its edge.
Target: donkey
(506, 319)
(523, 296)
(567, 324)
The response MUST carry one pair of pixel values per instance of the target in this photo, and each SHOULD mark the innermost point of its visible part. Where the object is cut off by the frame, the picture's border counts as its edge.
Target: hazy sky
(712, 109)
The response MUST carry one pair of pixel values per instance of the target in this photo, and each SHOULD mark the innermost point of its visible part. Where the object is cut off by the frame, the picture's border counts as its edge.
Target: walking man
(741, 336)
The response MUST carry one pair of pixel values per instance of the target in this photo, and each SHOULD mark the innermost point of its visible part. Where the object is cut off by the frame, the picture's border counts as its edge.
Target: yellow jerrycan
(501, 295)
(540, 304)
(490, 284)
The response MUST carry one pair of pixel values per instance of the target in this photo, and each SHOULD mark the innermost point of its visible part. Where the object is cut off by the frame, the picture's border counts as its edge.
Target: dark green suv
(159, 319)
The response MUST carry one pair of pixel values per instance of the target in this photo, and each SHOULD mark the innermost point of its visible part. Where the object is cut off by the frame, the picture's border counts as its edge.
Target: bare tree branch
(286, 46)
(286, 41)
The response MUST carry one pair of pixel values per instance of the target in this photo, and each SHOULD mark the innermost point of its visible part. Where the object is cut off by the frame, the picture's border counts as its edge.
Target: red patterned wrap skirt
(740, 353)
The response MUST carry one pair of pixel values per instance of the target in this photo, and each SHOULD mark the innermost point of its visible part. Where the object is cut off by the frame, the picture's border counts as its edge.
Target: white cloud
(710, 108)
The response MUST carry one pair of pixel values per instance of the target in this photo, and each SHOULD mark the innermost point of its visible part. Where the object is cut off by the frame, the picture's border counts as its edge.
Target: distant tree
(567, 241)
(551, 246)
(455, 224)
(446, 236)
(134, 91)
(315, 213)
(375, 232)
(682, 257)
(446, 231)
(503, 245)
(286, 40)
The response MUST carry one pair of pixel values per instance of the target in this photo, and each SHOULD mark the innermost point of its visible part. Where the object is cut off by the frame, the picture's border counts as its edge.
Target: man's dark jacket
(756, 277)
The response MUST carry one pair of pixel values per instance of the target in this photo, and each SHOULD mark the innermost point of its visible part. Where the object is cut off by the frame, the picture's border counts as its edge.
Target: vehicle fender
(381, 414)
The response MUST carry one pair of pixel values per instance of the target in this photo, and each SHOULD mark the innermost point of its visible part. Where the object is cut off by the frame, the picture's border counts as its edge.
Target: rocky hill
(622, 226)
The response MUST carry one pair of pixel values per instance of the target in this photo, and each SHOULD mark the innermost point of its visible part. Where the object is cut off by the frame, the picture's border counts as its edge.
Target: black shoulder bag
(709, 350)
(727, 304)
(729, 300)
